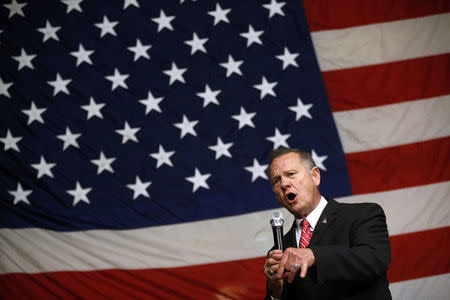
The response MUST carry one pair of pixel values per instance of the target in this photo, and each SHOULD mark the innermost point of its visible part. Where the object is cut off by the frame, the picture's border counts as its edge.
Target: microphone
(276, 220)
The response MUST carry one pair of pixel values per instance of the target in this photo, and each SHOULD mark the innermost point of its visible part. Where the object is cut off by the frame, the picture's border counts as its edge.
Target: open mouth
(291, 196)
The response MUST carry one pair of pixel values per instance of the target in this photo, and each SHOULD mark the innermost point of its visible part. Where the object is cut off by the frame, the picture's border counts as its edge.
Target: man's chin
(294, 208)
(290, 207)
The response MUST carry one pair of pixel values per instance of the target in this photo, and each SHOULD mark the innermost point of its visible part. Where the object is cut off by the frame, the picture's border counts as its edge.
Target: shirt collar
(314, 216)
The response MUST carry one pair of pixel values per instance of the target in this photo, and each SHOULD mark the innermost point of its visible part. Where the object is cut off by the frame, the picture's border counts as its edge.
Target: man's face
(295, 187)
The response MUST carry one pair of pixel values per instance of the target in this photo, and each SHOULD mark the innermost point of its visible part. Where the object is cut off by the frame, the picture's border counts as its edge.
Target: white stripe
(433, 288)
(37, 250)
(382, 43)
(394, 124)
(223, 239)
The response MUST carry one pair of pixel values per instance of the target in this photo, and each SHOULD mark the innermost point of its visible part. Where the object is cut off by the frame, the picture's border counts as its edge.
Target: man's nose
(285, 183)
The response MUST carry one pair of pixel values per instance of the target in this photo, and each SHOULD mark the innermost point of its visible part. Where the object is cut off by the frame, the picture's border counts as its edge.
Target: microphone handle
(278, 237)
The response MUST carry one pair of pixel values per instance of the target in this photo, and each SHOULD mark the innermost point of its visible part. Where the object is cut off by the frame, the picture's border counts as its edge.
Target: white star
(198, 180)
(139, 188)
(288, 58)
(15, 8)
(257, 170)
(274, 8)
(49, 31)
(80, 194)
(220, 14)
(24, 59)
(232, 66)
(107, 26)
(44, 168)
(34, 113)
(163, 21)
(82, 55)
(4, 88)
(140, 50)
(162, 157)
(209, 96)
(319, 160)
(221, 149)
(244, 118)
(72, 4)
(127, 3)
(196, 44)
(60, 85)
(266, 88)
(118, 80)
(69, 138)
(151, 103)
(93, 109)
(301, 110)
(186, 127)
(279, 139)
(252, 36)
(20, 194)
(103, 163)
(175, 74)
(10, 141)
(128, 133)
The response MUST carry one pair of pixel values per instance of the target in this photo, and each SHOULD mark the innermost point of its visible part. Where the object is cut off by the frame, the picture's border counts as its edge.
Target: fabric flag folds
(135, 134)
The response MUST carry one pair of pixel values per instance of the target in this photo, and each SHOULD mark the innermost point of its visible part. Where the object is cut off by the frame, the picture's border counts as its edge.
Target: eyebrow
(283, 172)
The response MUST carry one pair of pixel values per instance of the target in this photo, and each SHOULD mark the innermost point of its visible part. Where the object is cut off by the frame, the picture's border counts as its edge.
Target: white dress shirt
(312, 218)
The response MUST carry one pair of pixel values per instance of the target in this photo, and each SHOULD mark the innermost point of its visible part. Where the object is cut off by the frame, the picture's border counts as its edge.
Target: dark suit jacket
(352, 251)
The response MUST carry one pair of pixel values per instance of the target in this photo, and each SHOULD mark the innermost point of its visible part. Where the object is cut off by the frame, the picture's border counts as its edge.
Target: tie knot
(305, 224)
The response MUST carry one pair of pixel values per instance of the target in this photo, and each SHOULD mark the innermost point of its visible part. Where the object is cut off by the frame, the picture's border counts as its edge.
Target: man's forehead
(285, 162)
(289, 158)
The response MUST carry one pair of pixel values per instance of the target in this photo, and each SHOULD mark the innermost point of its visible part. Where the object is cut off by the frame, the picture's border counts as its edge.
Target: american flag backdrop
(134, 138)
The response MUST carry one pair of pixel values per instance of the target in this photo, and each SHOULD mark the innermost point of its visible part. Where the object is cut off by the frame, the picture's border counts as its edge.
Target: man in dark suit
(333, 250)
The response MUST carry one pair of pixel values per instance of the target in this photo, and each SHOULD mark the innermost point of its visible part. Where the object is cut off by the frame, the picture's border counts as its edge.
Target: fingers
(295, 260)
(270, 268)
(272, 262)
(276, 254)
(304, 268)
(271, 265)
(291, 275)
(282, 264)
(273, 258)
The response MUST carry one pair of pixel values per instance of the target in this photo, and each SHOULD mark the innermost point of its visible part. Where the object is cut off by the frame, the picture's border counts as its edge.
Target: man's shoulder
(354, 207)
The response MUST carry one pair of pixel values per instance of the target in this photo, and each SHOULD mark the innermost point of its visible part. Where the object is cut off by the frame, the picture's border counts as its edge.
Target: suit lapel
(290, 239)
(326, 219)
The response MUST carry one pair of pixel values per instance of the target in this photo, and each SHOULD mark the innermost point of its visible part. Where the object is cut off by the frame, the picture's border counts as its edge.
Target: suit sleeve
(366, 258)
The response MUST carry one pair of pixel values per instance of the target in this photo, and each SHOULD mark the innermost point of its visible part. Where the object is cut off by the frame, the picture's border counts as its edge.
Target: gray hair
(305, 157)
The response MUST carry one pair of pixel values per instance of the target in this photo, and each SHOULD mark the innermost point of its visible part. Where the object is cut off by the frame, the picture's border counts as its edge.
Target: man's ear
(315, 173)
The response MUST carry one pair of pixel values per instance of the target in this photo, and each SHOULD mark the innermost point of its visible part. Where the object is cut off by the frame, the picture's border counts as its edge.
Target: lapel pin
(324, 221)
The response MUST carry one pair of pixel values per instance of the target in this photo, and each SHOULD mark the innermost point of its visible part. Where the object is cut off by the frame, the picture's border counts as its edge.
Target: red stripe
(420, 254)
(414, 255)
(231, 280)
(388, 83)
(400, 166)
(332, 14)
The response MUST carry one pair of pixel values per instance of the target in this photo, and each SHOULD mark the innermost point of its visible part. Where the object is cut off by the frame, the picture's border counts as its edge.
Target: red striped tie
(306, 234)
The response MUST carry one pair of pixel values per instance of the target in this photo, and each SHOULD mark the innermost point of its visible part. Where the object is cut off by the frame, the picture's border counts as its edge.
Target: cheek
(279, 196)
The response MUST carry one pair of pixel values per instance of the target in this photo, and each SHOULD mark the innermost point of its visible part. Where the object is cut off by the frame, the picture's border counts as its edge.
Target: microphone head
(276, 219)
